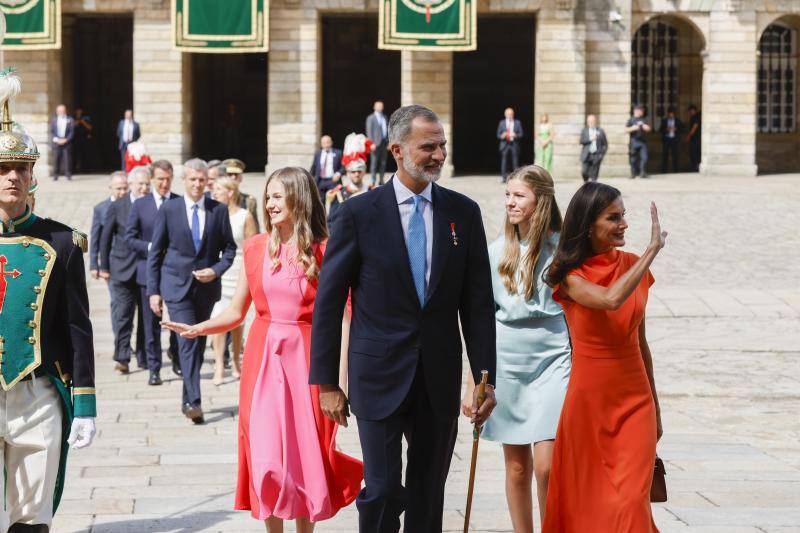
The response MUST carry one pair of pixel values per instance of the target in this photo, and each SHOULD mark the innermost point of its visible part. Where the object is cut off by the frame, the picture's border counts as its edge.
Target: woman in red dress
(605, 446)
(289, 467)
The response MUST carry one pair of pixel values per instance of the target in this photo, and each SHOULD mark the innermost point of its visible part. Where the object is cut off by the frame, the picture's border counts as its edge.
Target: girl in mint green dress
(544, 144)
(533, 347)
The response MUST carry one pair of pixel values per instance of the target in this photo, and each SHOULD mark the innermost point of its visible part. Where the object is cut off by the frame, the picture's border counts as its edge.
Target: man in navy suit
(62, 130)
(509, 132)
(118, 187)
(414, 256)
(326, 166)
(118, 267)
(138, 234)
(192, 247)
(128, 131)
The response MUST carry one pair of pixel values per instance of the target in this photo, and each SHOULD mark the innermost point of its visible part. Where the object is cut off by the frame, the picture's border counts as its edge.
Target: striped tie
(417, 245)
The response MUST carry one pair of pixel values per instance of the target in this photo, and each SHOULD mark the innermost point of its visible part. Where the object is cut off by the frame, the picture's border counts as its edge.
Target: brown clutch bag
(658, 490)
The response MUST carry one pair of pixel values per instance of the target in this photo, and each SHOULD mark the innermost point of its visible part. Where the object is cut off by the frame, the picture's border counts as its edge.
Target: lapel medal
(453, 233)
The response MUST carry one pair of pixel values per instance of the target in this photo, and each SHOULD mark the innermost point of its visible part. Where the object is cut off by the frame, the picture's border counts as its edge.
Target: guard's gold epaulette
(81, 240)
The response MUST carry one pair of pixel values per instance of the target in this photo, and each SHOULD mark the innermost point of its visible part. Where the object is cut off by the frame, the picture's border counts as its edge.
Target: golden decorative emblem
(9, 143)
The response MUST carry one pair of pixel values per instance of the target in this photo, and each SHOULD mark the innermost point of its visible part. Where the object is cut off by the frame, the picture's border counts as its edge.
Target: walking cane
(476, 436)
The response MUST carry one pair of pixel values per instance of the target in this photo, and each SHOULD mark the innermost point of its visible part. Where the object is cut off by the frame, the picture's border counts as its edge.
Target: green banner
(221, 26)
(31, 24)
(434, 25)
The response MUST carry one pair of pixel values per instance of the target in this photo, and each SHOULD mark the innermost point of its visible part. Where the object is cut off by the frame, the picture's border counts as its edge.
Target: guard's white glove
(82, 432)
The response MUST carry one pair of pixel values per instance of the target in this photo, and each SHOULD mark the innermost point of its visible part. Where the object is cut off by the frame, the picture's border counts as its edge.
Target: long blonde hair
(230, 185)
(545, 219)
(308, 214)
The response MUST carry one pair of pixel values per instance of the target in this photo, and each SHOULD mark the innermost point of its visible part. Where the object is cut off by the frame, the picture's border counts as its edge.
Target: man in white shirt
(326, 166)
(128, 131)
(62, 129)
(509, 132)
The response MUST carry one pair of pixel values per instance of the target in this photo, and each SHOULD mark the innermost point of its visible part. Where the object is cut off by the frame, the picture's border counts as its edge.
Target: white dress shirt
(61, 128)
(201, 212)
(127, 131)
(405, 204)
(159, 199)
(326, 163)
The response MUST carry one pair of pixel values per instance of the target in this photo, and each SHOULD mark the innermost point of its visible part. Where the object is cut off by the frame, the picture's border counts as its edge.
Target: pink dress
(288, 463)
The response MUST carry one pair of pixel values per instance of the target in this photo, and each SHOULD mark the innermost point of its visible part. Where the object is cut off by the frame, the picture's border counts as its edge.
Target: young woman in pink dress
(289, 467)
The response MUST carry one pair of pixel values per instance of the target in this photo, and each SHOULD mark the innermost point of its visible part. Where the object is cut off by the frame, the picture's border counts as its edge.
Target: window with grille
(777, 91)
(654, 67)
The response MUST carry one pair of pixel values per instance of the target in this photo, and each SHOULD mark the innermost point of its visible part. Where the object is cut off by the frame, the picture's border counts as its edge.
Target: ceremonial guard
(234, 169)
(47, 401)
(353, 185)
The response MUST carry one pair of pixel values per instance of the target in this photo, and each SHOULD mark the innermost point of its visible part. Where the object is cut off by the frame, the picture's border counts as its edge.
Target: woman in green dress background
(544, 143)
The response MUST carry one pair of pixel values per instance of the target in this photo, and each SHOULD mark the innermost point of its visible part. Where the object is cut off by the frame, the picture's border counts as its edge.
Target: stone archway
(667, 72)
(777, 113)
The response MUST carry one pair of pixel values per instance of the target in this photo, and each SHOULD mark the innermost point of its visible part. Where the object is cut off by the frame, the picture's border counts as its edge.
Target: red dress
(606, 441)
(288, 463)
(132, 162)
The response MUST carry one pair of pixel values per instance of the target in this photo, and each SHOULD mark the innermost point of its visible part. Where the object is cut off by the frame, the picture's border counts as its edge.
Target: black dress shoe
(155, 379)
(176, 367)
(193, 412)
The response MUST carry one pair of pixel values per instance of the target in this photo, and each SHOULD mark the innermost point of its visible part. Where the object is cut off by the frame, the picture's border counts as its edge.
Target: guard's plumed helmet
(16, 146)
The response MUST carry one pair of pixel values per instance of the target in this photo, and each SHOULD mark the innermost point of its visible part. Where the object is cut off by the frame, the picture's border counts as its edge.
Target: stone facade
(582, 65)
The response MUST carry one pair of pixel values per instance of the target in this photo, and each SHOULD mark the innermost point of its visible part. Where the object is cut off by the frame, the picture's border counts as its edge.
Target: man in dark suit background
(62, 130)
(138, 234)
(118, 267)
(637, 127)
(128, 131)
(326, 166)
(594, 146)
(694, 136)
(192, 247)
(509, 132)
(671, 127)
(414, 256)
(377, 130)
(118, 188)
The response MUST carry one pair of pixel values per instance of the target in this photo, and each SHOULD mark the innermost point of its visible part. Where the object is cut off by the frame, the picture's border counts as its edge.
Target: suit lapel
(442, 238)
(389, 214)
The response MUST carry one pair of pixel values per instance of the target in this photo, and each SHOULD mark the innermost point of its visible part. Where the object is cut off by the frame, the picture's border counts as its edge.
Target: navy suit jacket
(115, 255)
(69, 132)
(137, 132)
(501, 129)
(172, 256)
(139, 231)
(315, 169)
(390, 333)
(98, 217)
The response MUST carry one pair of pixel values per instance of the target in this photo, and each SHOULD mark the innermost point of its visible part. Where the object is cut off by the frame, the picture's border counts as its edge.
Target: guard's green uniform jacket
(44, 315)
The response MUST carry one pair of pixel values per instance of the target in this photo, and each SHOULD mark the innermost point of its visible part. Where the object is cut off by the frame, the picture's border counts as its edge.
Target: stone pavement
(722, 323)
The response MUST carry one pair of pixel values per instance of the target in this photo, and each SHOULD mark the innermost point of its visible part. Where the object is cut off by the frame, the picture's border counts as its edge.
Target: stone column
(608, 81)
(427, 79)
(729, 87)
(294, 88)
(161, 87)
(560, 83)
(40, 71)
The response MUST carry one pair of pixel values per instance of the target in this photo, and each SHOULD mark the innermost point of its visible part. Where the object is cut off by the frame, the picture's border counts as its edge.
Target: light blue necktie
(417, 245)
(196, 228)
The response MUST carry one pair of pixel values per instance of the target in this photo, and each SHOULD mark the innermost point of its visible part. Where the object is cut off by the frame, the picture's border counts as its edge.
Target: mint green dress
(533, 357)
(544, 154)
